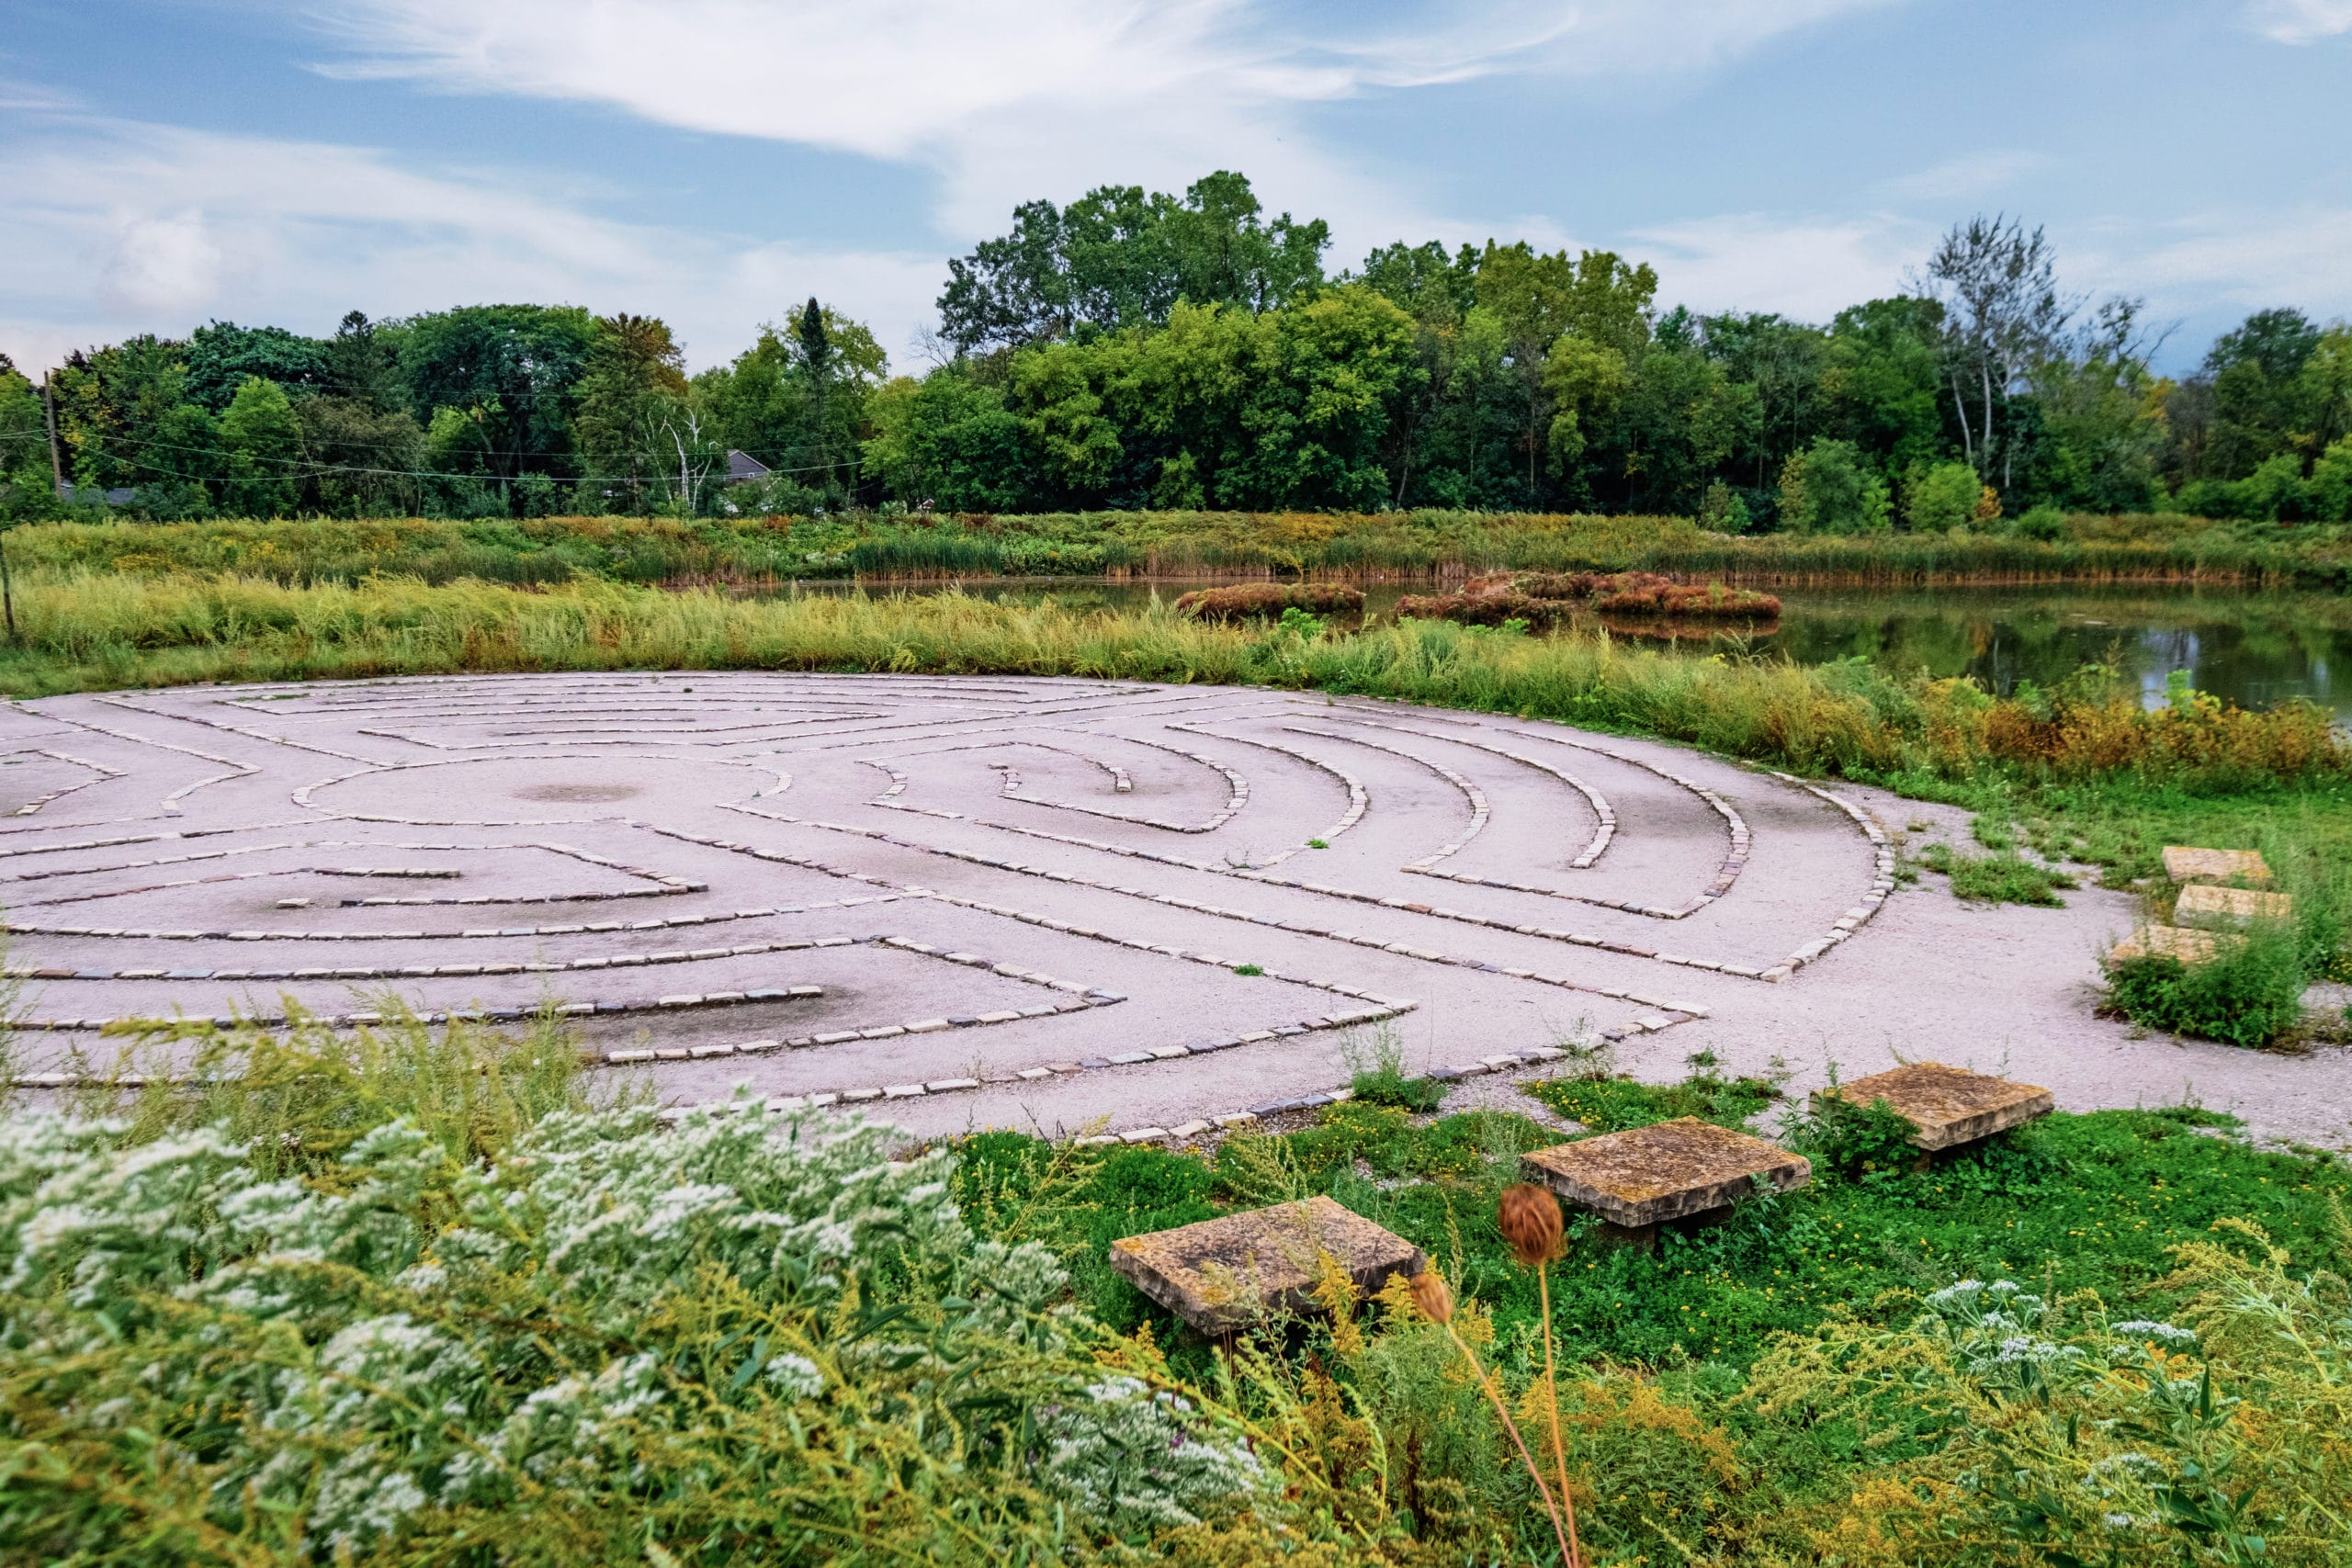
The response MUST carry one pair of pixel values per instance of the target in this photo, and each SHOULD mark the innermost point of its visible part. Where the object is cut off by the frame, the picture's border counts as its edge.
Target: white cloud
(1806, 267)
(1969, 175)
(122, 227)
(2299, 21)
(164, 264)
(2250, 259)
(1008, 99)
(119, 227)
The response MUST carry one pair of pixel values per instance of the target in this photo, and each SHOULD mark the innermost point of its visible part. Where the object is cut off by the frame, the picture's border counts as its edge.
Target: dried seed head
(1530, 1217)
(1430, 1295)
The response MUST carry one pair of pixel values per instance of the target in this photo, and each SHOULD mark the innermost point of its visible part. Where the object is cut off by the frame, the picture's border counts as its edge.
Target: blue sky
(713, 160)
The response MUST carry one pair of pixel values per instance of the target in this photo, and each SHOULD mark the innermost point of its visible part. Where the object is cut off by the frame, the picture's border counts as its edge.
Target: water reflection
(2253, 649)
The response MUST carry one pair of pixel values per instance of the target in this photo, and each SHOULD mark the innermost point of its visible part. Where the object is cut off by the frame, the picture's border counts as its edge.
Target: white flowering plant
(758, 1335)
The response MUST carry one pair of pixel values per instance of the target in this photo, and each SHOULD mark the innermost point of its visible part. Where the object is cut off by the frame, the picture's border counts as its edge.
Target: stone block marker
(2171, 942)
(1638, 1179)
(2185, 864)
(2222, 908)
(1221, 1274)
(1949, 1106)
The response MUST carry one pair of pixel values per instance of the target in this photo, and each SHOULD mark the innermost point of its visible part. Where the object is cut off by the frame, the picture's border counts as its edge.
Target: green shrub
(2003, 878)
(1389, 1086)
(2250, 994)
(1852, 1140)
(2044, 523)
(1943, 497)
(1606, 1104)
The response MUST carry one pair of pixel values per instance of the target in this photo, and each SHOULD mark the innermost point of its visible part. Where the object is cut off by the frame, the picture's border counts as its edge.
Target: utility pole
(56, 462)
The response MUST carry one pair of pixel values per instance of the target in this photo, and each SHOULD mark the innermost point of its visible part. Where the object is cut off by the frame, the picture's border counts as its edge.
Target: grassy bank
(84, 630)
(390, 1300)
(1387, 546)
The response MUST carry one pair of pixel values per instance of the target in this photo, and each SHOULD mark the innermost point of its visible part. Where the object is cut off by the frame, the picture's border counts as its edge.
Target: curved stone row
(1100, 828)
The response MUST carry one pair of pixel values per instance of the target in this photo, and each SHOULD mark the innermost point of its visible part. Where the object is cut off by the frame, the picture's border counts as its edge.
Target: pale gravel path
(805, 865)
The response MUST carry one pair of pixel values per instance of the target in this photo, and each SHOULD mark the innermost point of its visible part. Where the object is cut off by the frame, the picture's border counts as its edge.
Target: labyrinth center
(1059, 904)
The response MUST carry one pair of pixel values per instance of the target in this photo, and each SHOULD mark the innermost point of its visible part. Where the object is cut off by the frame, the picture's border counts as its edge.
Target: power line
(304, 468)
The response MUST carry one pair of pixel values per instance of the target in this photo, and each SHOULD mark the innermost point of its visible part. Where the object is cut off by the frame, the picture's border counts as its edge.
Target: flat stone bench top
(2171, 942)
(1219, 1274)
(1668, 1171)
(1949, 1106)
(2205, 905)
(2186, 864)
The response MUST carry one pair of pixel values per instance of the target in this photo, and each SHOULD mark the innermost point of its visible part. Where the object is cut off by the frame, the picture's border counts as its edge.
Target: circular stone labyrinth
(1066, 906)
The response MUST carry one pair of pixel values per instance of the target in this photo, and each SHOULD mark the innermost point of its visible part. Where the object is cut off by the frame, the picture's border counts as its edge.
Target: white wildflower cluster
(1144, 1461)
(385, 1392)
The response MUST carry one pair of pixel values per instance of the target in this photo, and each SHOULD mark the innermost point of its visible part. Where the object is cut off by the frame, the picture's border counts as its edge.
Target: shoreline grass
(1383, 548)
(89, 631)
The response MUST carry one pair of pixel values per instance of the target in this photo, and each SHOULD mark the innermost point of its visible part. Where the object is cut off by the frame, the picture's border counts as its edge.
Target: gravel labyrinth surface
(996, 902)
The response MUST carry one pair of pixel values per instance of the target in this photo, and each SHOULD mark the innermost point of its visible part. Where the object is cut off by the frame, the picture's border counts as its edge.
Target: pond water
(2251, 647)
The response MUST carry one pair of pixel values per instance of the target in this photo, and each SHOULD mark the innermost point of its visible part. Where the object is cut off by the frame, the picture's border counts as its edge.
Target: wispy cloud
(1970, 176)
(1009, 99)
(1807, 267)
(2299, 21)
(119, 226)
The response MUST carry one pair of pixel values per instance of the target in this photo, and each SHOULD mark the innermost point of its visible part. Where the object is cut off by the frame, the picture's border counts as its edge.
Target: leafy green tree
(630, 403)
(1941, 497)
(947, 440)
(1423, 280)
(1584, 383)
(2003, 315)
(1782, 364)
(1882, 381)
(2276, 385)
(112, 409)
(1327, 373)
(363, 462)
(801, 419)
(262, 441)
(361, 364)
(2331, 484)
(1827, 488)
(1119, 257)
(512, 371)
(1062, 394)
(220, 354)
(1539, 299)
(2100, 412)
(23, 433)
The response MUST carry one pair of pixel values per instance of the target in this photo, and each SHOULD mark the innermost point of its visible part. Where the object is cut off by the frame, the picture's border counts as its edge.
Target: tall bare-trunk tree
(2003, 315)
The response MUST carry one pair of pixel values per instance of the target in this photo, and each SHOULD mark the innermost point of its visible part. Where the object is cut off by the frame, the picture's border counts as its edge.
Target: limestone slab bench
(1645, 1177)
(1949, 1106)
(2213, 908)
(1221, 1274)
(2186, 863)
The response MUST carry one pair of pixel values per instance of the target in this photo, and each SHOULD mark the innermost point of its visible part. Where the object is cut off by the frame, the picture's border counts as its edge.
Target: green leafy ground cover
(2073, 1202)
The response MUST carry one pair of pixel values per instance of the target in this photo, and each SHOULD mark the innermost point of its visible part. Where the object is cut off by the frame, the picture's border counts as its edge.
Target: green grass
(2073, 1202)
(774, 1344)
(1608, 1103)
(2006, 877)
(84, 630)
(1366, 546)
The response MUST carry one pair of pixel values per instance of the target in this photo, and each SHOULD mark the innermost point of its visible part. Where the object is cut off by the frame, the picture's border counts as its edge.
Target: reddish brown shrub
(1660, 597)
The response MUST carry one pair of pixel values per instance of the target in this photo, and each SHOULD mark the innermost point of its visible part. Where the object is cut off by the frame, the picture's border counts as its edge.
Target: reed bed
(1401, 547)
(84, 630)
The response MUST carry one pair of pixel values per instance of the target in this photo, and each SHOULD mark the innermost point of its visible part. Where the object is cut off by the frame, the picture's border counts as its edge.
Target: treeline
(1138, 350)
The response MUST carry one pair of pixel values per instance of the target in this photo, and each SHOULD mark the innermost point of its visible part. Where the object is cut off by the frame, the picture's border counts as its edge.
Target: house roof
(742, 465)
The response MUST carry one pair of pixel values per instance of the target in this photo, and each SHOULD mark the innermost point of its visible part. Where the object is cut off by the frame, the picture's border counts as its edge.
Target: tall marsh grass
(1380, 547)
(87, 630)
